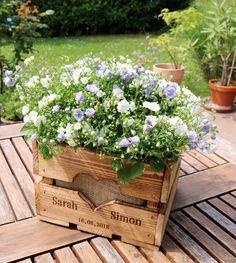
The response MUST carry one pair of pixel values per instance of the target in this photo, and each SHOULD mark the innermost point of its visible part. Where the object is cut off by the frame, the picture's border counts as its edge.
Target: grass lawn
(59, 51)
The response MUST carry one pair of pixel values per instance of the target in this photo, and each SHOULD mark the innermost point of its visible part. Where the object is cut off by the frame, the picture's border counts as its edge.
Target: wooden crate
(78, 188)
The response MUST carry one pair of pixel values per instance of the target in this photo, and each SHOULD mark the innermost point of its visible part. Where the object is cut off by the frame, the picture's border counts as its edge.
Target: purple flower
(8, 73)
(79, 97)
(9, 82)
(201, 144)
(171, 90)
(55, 109)
(17, 77)
(93, 88)
(89, 112)
(206, 128)
(61, 136)
(134, 140)
(68, 67)
(124, 143)
(78, 114)
(98, 67)
(192, 136)
(34, 137)
(127, 78)
(99, 73)
(147, 92)
(147, 128)
(17, 67)
(100, 140)
(193, 146)
(110, 74)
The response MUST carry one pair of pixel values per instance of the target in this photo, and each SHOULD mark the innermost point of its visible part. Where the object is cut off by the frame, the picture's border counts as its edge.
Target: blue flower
(110, 74)
(89, 112)
(127, 78)
(193, 146)
(134, 140)
(147, 92)
(78, 114)
(55, 108)
(34, 137)
(147, 128)
(61, 136)
(8, 73)
(79, 97)
(171, 90)
(192, 136)
(124, 143)
(68, 67)
(201, 144)
(93, 88)
(206, 128)
(9, 82)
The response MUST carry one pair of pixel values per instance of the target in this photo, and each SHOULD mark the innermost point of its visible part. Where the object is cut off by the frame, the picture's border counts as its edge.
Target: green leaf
(124, 175)
(45, 151)
(116, 164)
(157, 165)
(137, 170)
(26, 130)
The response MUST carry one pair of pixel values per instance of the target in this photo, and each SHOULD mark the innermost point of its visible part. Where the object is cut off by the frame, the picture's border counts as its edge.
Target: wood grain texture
(229, 199)
(204, 159)
(207, 184)
(187, 168)
(28, 260)
(106, 251)
(13, 191)
(10, 131)
(129, 252)
(45, 258)
(85, 253)
(194, 162)
(65, 255)
(226, 149)
(154, 255)
(31, 236)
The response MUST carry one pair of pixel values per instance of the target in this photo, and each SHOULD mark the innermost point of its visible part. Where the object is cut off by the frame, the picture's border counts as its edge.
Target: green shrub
(76, 17)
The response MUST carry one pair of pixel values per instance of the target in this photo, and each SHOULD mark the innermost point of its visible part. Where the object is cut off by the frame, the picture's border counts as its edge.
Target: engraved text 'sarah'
(63, 203)
(127, 219)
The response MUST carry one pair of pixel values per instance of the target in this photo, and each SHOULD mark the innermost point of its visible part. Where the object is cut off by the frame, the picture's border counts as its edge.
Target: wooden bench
(201, 228)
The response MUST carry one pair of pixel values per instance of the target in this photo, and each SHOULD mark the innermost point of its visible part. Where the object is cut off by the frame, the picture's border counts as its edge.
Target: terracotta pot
(169, 72)
(222, 96)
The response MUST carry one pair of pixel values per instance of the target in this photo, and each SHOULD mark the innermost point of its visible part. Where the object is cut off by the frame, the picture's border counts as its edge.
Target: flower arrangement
(115, 108)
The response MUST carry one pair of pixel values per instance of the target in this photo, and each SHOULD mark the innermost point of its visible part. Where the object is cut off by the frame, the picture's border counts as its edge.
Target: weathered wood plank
(128, 252)
(205, 184)
(174, 252)
(189, 245)
(226, 149)
(19, 171)
(10, 131)
(31, 236)
(28, 260)
(194, 162)
(215, 158)
(209, 226)
(210, 245)
(188, 169)
(205, 159)
(65, 255)
(6, 214)
(16, 198)
(106, 251)
(153, 255)
(85, 253)
(45, 258)
(230, 199)
(25, 154)
(223, 221)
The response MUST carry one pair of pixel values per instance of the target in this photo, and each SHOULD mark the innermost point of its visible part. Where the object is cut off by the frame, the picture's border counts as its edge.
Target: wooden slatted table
(201, 228)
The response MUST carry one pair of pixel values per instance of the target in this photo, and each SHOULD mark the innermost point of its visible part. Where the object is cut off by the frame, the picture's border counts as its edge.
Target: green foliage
(104, 17)
(46, 151)
(157, 165)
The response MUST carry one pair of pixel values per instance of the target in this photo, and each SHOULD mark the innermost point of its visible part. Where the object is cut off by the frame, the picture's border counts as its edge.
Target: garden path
(201, 228)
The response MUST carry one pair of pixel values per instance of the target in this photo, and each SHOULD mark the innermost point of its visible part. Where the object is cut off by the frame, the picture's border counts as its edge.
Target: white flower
(181, 129)
(84, 80)
(52, 97)
(76, 75)
(152, 120)
(130, 122)
(191, 96)
(100, 93)
(38, 120)
(45, 82)
(151, 106)
(25, 110)
(174, 120)
(117, 92)
(26, 119)
(132, 106)
(33, 115)
(27, 61)
(72, 143)
(77, 126)
(123, 106)
(61, 129)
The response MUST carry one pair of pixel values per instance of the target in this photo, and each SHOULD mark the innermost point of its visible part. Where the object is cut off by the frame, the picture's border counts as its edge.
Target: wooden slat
(194, 162)
(188, 244)
(223, 221)
(205, 184)
(206, 241)
(181, 172)
(28, 260)
(212, 156)
(19, 171)
(6, 214)
(10, 131)
(205, 159)
(210, 227)
(106, 251)
(45, 258)
(224, 208)
(153, 255)
(233, 193)
(31, 236)
(85, 253)
(128, 252)
(65, 255)
(188, 169)
(226, 149)
(16, 198)
(25, 154)
(174, 252)
(231, 200)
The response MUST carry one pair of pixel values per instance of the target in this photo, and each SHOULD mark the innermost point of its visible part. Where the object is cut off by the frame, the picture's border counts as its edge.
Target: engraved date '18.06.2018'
(92, 223)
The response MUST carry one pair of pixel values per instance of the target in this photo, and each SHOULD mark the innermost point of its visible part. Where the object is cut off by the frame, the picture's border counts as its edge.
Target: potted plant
(109, 138)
